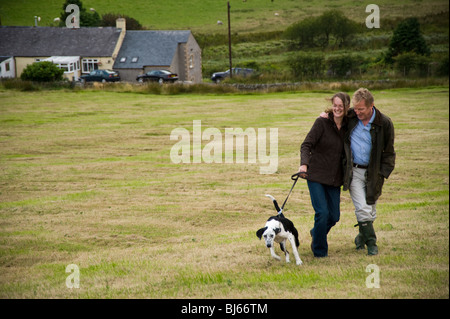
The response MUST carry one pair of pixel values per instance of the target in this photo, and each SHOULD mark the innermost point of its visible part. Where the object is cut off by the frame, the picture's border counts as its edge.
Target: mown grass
(87, 179)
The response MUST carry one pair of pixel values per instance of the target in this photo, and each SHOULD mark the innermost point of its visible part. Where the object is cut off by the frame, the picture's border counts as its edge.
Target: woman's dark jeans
(325, 201)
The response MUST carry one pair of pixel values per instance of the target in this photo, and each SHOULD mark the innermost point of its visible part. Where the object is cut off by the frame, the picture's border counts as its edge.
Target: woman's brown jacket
(323, 152)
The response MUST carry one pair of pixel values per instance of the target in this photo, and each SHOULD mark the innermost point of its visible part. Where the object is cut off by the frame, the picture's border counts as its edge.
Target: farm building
(175, 51)
(80, 50)
(77, 51)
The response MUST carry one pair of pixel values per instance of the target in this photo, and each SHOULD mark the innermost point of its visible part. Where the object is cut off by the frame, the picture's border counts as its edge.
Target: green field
(87, 179)
(257, 28)
(202, 15)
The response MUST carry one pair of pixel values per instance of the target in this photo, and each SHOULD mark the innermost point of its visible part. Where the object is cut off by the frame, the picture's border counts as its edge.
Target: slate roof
(3, 58)
(52, 41)
(150, 47)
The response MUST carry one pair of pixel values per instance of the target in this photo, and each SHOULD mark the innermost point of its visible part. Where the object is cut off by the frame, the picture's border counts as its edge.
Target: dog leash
(295, 179)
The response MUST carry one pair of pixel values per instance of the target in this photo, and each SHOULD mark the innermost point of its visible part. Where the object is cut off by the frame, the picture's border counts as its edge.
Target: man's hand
(324, 115)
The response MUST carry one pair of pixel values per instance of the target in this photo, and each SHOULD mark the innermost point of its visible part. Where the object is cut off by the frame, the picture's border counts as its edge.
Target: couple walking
(353, 148)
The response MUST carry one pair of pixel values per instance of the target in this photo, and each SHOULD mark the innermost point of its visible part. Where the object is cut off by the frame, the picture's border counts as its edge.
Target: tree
(86, 19)
(318, 31)
(409, 61)
(344, 28)
(407, 38)
(326, 24)
(44, 71)
(304, 32)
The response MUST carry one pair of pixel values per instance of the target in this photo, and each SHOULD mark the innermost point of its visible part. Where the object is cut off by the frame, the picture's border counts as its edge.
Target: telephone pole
(229, 40)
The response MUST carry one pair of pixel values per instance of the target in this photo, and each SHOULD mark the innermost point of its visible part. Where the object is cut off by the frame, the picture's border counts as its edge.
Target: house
(80, 50)
(77, 51)
(175, 51)
(7, 69)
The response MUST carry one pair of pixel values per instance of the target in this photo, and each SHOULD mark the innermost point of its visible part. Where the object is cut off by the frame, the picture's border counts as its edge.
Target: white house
(7, 67)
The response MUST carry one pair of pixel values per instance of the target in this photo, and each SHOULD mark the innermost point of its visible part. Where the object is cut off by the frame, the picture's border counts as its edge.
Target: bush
(86, 19)
(409, 61)
(443, 67)
(109, 20)
(42, 72)
(16, 84)
(405, 62)
(309, 65)
(341, 65)
(346, 64)
(250, 64)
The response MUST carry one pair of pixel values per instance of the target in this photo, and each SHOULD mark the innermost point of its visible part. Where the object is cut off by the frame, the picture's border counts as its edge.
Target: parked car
(219, 76)
(101, 76)
(160, 76)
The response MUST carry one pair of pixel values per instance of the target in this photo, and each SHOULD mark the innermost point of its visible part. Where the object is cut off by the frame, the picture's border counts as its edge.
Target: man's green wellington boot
(370, 239)
(359, 239)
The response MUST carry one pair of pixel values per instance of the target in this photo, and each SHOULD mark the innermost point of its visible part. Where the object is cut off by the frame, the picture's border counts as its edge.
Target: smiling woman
(321, 164)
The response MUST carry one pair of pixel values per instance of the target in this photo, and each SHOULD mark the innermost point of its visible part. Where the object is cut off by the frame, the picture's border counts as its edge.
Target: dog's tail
(275, 203)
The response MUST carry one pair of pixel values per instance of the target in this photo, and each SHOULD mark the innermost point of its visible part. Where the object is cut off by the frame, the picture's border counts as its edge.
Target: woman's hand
(302, 171)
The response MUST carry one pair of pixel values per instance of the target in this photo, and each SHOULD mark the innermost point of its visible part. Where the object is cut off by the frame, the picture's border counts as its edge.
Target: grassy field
(257, 27)
(87, 179)
(202, 15)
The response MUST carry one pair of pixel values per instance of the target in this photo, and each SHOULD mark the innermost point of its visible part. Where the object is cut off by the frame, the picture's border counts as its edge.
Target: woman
(322, 153)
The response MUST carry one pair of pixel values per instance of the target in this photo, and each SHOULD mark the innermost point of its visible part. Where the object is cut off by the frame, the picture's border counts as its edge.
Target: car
(160, 76)
(101, 76)
(220, 76)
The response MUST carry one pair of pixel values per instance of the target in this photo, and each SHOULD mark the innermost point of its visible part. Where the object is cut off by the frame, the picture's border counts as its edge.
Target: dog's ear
(260, 232)
(277, 230)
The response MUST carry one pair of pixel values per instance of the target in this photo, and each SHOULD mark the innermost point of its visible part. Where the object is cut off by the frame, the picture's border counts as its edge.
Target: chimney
(121, 24)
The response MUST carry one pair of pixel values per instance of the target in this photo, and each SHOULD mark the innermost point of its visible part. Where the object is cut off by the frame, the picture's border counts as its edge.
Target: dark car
(101, 76)
(219, 76)
(160, 76)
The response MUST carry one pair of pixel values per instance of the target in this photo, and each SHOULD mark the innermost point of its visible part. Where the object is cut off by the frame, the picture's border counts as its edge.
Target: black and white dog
(278, 229)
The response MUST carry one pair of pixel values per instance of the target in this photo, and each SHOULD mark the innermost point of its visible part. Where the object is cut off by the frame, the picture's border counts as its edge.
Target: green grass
(202, 15)
(87, 179)
(255, 22)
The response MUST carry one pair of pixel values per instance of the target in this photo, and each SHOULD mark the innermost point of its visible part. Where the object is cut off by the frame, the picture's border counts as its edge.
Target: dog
(278, 229)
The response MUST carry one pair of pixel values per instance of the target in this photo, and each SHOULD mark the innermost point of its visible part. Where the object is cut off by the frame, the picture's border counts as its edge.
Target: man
(370, 159)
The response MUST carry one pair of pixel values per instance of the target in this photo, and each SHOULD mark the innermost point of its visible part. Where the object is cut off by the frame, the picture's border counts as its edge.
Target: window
(135, 59)
(7, 66)
(64, 67)
(89, 65)
(191, 62)
(123, 59)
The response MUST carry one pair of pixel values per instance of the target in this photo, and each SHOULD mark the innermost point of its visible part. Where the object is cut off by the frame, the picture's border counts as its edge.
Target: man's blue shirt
(361, 142)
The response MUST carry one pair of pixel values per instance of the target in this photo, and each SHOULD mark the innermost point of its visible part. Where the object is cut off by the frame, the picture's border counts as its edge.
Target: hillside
(257, 27)
(202, 15)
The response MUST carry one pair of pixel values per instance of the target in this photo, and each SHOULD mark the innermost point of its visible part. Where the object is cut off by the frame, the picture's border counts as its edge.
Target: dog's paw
(299, 263)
